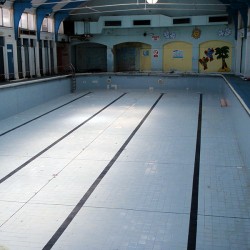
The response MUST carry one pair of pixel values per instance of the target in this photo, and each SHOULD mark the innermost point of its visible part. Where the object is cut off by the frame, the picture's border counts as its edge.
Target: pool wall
(18, 97)
(194, 83)
(241, 119)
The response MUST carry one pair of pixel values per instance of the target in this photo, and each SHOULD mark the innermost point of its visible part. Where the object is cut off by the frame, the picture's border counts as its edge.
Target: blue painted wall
(111, 37)
(17, 98)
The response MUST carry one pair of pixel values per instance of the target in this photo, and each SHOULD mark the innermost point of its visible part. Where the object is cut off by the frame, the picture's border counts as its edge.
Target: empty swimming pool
(118, 166)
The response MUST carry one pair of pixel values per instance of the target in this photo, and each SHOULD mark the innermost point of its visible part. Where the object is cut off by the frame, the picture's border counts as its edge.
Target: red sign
(156, 53)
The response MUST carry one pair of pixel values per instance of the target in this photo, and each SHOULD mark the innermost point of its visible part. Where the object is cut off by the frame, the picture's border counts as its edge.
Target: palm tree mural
(222, 53)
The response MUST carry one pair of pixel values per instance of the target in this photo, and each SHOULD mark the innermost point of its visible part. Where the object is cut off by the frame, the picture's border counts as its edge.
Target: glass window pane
(45, 24)
(1, 17)
(24, 21)
(6, 17)
(50, 25)
(31, 25)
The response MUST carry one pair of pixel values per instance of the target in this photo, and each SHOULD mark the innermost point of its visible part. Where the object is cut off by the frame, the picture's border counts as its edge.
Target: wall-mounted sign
(145, 52)
(156, 53)
(178, 53)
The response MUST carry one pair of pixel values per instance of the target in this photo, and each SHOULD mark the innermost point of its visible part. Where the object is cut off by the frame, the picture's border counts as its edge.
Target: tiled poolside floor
(52, 168)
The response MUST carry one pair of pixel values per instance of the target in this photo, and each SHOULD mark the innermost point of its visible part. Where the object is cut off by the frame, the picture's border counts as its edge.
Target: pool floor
(115, 169)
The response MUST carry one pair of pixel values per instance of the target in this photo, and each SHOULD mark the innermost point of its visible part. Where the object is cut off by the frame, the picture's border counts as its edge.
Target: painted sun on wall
(215, 58)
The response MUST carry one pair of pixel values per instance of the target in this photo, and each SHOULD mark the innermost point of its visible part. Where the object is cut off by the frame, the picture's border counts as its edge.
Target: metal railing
(73, 78)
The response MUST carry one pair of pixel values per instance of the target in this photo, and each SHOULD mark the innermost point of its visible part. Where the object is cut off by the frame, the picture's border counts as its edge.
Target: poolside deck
(118, 170)
(241, 86)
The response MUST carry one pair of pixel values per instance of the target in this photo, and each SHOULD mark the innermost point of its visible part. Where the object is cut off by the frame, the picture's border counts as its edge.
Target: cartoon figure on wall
(221, 53)
(209, 53)
(203, 61)
(209, 58)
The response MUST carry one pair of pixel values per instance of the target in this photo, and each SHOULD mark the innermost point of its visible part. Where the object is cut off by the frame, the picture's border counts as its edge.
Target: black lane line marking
(10, 130)
(55, 142)
(85, 197)
(195, 191)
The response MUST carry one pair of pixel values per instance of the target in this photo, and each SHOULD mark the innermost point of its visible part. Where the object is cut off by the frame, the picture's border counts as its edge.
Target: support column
(31, 60)
(49, 58)
(195, 58)
(37, 58)
(23, 59)
(44, 65)
(110, 60)
(55, 56)
(16, 75)
(238, 47)
(247, 58)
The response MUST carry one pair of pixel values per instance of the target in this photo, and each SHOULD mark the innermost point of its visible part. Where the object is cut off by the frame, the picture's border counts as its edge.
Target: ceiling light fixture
(152, 1)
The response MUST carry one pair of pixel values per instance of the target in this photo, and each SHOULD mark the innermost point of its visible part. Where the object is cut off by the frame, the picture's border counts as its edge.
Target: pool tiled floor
(143, 200)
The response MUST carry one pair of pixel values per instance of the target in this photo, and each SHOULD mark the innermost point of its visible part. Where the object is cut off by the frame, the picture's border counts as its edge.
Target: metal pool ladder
(73, 78)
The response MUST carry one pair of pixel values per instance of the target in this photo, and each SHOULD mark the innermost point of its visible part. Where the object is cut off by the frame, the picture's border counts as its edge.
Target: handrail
(73, 68)
(73, 78)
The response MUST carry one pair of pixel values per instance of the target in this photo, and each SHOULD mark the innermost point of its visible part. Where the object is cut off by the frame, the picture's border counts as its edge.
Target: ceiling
(93, 9)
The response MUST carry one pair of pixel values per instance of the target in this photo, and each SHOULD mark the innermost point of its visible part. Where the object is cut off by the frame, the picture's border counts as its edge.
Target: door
(26, 57)
(2, 76)
(46, 57)
(19, 58)
(10, 61)
(41, 57)
(33, 56)
(52, 58)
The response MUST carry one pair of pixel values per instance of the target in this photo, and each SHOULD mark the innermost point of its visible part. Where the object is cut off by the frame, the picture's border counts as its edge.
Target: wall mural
(196, 33)
(225, 32)
(169, 35)
(216, 57)
(222, 53)
(177, 56)
(208, 58)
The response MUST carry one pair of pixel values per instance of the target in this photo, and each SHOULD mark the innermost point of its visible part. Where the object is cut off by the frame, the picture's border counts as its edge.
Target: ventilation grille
(142, 22)
(218, 19)
(181, 20)
(112, 23)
